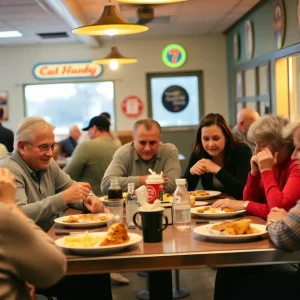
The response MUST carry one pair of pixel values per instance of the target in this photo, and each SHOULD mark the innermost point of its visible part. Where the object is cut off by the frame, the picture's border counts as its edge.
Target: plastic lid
(180, 181)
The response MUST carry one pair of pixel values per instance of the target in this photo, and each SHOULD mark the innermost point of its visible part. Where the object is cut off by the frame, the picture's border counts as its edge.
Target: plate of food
(105, 198)
(211, 212)
(239, 230)
(203, 195)
(83, 220)
(115, 239)
(168, 198)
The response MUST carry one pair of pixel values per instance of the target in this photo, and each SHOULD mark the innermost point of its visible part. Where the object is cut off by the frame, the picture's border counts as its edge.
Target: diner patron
(218, 158)
(27, 253)
(274, 175)
(132, 161)
(43, 190)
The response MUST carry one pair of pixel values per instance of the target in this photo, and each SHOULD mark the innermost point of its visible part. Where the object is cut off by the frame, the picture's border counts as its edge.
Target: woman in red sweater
(273, 176)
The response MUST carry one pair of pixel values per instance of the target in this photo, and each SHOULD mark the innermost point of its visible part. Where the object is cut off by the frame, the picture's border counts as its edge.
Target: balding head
(245, 118)
(75, 132)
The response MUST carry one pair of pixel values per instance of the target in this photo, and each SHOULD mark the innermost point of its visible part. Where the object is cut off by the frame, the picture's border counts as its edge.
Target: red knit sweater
(276, 188)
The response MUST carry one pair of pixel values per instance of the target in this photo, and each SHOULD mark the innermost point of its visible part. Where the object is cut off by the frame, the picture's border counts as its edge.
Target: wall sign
(279, 23)
(66, 70)
(249, 39)
(132, 106)
(236, 46)
(175, 98)
(174, 56)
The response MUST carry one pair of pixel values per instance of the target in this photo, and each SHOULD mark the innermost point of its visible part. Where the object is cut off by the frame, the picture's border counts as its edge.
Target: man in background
(6, 135)
(132, 161)
(91, 158)
(244, 119)
(85, 137)
(69, 144)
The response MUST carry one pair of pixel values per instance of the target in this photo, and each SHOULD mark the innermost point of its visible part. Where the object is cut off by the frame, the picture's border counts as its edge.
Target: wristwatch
(245, 204)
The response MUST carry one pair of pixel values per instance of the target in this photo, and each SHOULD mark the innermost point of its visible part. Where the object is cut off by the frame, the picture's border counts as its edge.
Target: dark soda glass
(114, 193)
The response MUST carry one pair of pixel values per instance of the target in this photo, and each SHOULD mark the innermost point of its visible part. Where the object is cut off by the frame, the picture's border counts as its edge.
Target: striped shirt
(285, 234)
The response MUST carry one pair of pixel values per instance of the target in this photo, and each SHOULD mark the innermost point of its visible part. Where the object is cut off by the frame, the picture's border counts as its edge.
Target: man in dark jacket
(6, 135)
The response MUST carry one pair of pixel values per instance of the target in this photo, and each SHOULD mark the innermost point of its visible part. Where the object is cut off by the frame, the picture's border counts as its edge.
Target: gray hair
(148, 123)
(28, 127)
(290, 129)
(270, 129)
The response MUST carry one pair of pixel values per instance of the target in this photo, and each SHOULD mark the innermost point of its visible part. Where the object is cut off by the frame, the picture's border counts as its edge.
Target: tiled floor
(199, 282)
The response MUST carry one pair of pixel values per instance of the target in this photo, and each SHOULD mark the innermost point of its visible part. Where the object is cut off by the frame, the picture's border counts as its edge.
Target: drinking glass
(114, 211)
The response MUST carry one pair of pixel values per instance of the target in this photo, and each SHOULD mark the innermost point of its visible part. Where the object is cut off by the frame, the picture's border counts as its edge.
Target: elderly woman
(218, 159)
(274, 175)
(268, 282)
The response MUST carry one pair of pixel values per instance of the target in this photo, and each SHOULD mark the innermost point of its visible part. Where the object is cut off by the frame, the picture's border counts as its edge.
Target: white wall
(206, 53)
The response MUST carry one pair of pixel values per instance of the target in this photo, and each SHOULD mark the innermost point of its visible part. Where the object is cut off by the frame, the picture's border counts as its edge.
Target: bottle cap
(180, 181)
(131, 185)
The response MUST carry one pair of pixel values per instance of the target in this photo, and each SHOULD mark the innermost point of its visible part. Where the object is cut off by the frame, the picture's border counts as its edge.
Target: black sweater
(233, 175)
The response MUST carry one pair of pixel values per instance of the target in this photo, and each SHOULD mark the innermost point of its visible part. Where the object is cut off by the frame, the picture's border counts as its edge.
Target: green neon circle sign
(174, 56)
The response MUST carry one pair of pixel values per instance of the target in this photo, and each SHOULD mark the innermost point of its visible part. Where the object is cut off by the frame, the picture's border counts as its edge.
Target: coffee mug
(152, 224)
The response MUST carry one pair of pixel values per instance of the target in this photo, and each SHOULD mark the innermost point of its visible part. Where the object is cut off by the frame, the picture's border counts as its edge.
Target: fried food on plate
(82, 241)
(227, 209)
(71, 219)
(203, 209)
(116, 234)
(85, 218)
(199, 193)
(236, 227)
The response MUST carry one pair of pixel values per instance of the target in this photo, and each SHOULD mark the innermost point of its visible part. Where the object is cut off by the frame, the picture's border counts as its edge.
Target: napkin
(142, 195)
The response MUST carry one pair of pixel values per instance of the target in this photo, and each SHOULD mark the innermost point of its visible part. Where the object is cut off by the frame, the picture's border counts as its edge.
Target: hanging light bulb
(110, 23)
(113, 64)
(114, 59)
(150, 1)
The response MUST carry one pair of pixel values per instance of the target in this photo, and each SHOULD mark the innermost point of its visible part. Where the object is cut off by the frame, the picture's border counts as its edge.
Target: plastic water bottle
(131, 206)
(181, 206)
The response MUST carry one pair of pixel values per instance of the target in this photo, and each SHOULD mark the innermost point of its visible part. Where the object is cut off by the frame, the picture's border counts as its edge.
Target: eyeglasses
(45, 148)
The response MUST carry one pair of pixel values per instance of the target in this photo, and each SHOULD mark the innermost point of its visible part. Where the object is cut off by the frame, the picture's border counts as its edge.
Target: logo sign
(175, 98)
(66, 70)
(174, 56)
(279, 23)
(132, 106)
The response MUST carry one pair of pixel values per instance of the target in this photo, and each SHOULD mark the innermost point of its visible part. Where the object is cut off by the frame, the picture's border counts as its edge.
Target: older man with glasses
(43, 190)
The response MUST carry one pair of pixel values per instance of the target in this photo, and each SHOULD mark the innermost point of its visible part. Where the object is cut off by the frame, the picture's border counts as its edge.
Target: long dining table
(179, 250)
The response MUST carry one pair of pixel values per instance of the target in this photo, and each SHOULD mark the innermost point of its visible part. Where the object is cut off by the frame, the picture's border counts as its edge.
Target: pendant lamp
(110, 23)
(114, 58)
(150, 1)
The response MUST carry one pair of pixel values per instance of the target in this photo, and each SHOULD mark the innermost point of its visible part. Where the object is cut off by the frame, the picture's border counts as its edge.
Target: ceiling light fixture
(9, 34)
(114, 58)
(150, 1)
(110, 23)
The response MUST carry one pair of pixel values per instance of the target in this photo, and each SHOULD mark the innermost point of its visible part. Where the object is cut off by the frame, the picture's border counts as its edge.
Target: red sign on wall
(132, 106)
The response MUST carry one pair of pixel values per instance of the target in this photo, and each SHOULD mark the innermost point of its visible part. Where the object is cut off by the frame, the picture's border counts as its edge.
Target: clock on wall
(249, 39)
(279, 23)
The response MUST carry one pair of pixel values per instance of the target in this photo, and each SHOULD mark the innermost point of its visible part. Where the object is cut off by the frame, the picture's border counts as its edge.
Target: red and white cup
(154, 184)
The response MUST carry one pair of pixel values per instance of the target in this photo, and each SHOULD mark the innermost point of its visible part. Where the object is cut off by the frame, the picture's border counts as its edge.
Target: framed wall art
(249, 39)
(236, 47)
(279, 23)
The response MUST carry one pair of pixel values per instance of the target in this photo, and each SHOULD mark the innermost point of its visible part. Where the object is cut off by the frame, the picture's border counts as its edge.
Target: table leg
(160, 285)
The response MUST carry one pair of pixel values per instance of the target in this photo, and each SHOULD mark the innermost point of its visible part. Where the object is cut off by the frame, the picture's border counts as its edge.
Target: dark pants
(276, 282)
(80, 287)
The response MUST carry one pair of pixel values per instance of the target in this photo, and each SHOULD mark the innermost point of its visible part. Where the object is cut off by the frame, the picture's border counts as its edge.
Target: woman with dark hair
(218, 158)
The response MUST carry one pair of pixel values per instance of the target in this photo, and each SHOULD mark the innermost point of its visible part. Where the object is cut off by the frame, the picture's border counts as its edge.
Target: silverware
(61, 233)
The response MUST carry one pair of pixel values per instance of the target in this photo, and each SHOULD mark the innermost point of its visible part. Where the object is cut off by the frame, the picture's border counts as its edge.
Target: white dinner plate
(134, 239)
(205, 230)
(219, 213)
(212, 194)
(82, 224)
